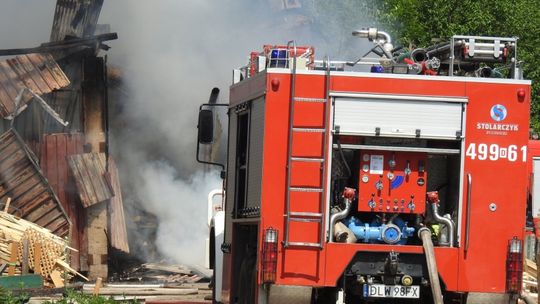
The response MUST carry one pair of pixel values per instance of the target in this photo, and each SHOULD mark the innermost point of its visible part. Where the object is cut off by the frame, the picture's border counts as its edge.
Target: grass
(71, 297)
(77, 297)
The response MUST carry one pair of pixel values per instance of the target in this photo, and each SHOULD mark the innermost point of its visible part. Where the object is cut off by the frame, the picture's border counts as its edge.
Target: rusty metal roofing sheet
(55, 149)
(37, 72)
(77, 18)
(89, 173)
(21, 180)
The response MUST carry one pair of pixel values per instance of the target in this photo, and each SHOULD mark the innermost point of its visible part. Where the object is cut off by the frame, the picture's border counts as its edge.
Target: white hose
(425, 234)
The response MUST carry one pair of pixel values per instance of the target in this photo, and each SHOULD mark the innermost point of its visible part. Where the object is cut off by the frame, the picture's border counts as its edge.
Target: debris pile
(59, 184)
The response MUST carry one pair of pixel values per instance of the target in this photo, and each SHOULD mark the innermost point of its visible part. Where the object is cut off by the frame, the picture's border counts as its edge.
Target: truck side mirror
(206, 127)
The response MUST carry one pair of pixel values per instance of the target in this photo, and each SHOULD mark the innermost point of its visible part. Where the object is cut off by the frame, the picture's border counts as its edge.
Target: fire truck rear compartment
(391, 198)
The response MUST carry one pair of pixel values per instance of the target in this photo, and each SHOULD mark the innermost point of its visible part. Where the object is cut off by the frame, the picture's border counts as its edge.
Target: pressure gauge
(392, 163)
(390, 175)
(365, 168)
(365, 157)
(365, 178)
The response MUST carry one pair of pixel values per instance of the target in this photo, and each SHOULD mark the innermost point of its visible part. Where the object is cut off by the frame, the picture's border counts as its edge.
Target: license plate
(391, 291)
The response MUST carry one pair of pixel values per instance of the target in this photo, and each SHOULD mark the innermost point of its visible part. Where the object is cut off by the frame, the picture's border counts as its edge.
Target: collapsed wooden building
(55, 166)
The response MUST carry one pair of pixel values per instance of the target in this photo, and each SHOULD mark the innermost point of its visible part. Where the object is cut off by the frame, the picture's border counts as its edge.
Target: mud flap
(283, 294)
(490, 298)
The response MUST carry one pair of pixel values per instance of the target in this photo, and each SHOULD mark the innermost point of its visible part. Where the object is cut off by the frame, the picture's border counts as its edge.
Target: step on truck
(400, 177)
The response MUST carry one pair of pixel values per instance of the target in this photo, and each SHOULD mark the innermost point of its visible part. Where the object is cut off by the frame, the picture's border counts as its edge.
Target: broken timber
(51, 47)
(89, 173)
(21, 179)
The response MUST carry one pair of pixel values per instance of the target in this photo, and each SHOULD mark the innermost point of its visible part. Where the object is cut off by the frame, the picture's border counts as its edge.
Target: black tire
(326, 296)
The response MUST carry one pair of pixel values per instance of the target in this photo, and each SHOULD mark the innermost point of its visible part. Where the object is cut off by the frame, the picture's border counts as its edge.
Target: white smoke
(25, 23)
(180, 206)
(172, 53)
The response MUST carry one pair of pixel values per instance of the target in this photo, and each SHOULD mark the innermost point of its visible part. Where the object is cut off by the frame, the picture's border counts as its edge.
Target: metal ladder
(305, 216)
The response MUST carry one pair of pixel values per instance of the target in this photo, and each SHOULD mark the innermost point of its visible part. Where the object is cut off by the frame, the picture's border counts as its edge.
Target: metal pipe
(445, 221)
(338, 216)
(468, 212)
(527, 298)
(443, 48)
(425, 234)
(419, 55)
(373, 34)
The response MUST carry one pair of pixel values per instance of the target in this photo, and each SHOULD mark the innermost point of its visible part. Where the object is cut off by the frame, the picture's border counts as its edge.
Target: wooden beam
(97, 287)
(37, 258)
(94, 41)
(13, 258)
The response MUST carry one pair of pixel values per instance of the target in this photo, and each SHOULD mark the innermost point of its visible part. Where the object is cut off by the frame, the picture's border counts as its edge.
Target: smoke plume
(171, 53)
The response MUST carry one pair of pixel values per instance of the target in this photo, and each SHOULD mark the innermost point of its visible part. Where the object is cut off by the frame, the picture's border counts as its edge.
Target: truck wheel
(326, 296)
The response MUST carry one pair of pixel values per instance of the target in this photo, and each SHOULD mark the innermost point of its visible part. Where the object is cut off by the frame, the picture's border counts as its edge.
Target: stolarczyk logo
(498, 112)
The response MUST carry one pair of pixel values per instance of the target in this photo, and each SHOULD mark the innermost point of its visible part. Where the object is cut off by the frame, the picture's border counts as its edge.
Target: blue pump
(395, 232)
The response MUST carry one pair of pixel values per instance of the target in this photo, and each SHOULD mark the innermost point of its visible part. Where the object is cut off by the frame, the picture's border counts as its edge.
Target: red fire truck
(400, 177)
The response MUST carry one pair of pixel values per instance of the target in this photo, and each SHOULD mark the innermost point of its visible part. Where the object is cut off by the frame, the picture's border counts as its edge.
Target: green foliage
(74, 297)
(417, 22)
(8, 297)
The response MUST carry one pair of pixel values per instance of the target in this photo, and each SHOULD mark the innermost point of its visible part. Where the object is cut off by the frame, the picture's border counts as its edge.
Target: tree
(417, 22)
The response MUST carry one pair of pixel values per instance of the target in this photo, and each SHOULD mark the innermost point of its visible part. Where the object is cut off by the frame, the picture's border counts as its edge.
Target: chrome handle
(468, 221)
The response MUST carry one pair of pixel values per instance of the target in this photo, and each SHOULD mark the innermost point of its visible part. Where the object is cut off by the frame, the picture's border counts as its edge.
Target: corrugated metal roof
(89, 173)
(77, 18)
(55, 149)
(21, 180)
(37, 72)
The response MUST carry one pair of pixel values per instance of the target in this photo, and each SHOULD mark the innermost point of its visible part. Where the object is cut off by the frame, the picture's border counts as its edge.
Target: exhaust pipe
(425, 235)
(348, 196)
(213, 96)
(433, 198)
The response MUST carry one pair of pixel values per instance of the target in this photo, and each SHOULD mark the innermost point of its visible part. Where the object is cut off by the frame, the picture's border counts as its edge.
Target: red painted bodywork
(482, 267)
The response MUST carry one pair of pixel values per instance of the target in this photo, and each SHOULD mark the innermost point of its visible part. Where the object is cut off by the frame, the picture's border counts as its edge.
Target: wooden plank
(88, 171)
(26, 82)
(14, 159)
(47, 218)
(97, 287)
(50, 146)
(32, 75)
(37, 258)
(30, 209)
(97, 169)
(106, 291)
(32, 185)
(117, 223)
(11, 83)
(13, 258)
(78, 174)
(6, 205)
(56, 277)
(39, 61)
(25, 253)
(61, 172)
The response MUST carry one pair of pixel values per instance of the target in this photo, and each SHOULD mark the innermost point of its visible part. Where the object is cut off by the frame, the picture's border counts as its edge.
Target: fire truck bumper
(284, 294)
(490, 298)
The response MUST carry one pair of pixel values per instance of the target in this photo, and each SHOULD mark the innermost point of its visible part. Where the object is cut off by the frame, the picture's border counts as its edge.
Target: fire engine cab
(400, 177)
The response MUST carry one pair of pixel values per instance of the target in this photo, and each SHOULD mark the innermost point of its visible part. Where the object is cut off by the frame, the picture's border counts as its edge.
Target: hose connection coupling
(349, 193)
(433, 197)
